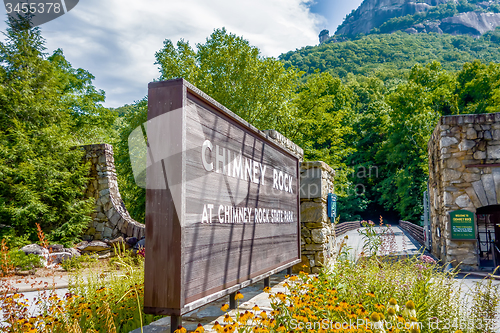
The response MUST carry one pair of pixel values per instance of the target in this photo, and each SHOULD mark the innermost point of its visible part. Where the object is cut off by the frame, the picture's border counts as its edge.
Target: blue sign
(332, 205)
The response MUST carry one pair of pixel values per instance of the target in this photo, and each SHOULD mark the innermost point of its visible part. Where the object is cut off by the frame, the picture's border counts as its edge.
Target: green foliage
(226, 67)
(122, 291)
(78, 262)
(409, 287)
(313, 113)
(393, 55)
(399, 86)
(12, 240)
(322, 119)
(46, 109)
(133, 196)
(20, 260)
(485, 303)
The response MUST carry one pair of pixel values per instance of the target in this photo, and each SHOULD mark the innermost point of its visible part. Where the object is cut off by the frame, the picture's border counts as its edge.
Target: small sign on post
(332, 206)
(462, 225)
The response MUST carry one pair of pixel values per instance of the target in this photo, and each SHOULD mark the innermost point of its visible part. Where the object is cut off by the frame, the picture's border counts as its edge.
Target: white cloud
(116, 40)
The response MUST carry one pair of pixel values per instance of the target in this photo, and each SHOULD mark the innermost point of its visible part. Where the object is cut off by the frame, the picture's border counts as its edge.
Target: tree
(324, 107)
(133, 196)
(226, 67)
(42, 102)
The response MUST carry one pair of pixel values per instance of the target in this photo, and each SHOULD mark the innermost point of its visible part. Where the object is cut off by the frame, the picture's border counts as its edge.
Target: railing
(414, 230)
(496, 256)
(344, 227)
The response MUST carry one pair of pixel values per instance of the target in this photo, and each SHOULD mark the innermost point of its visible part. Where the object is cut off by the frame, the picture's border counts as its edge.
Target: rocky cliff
(440, 16)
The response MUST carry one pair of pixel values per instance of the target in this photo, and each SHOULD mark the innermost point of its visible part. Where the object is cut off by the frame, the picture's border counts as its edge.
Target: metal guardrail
(414, 230)
(344, 227)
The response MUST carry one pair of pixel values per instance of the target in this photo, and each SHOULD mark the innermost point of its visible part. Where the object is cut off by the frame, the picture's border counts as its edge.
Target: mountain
(456, 17)
(392, 54)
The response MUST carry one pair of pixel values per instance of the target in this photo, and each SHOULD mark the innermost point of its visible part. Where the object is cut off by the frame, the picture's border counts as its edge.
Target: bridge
(404, 239)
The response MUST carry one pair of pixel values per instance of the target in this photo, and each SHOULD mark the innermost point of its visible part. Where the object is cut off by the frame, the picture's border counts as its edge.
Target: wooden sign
(463, 226)
(222, 201)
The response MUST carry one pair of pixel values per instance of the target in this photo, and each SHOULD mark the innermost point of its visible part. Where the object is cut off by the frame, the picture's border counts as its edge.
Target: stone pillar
(110, 218)
(317, 232)
(464, 173)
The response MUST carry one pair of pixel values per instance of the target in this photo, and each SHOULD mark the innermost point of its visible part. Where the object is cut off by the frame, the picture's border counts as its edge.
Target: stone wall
(464, 152)
(317, 232)
(110, 218)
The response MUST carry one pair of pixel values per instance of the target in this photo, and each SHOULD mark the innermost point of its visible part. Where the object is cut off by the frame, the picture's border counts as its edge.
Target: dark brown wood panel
(197, 259)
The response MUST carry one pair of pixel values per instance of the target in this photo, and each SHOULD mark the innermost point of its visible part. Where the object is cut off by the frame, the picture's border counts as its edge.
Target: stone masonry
(110, 218)
(317, 232)
(460, 150)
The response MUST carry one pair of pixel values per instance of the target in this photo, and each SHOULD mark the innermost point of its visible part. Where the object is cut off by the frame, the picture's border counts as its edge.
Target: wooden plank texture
(230, 208)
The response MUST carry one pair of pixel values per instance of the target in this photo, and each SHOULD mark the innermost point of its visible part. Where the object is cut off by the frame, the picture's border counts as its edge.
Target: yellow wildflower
(180, 330)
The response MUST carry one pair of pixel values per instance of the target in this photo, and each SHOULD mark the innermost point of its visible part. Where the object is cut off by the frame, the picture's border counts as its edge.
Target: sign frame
(167, 290)
(456, 220)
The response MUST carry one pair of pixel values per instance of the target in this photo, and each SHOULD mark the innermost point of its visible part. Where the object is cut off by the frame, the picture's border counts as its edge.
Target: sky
(116, 40)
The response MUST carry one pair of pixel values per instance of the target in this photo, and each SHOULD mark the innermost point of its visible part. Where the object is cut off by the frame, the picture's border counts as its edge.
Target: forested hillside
(401, 84)
(393, 54)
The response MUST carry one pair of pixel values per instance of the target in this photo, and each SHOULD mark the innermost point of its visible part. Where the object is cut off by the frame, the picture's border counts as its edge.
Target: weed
(78, 262)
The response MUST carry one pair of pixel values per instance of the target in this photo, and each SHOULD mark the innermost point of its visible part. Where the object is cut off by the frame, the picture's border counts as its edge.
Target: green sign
(463, 226)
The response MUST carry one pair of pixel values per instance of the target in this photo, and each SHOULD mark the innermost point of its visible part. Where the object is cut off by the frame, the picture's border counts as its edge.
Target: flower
(427, 259)
(180, 329)
(267, 290)
(409, 310)
(393, 304)
(391, 314)
(377, 323)
(224, 307)
(238, 296)
(255, 308)
(216, 326)
(199, 329)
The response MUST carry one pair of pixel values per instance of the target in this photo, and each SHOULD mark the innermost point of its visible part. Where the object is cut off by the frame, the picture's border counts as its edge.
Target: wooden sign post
(222, 202)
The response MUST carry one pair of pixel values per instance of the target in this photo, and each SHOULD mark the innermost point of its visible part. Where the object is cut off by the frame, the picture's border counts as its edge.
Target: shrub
(20, 260)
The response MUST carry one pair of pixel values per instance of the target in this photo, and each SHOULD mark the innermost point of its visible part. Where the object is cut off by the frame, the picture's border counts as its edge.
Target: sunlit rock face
(374, 13)
(470, 23)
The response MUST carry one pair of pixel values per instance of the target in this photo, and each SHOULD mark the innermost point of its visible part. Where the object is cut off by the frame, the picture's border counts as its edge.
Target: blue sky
(334, 11)
(116, 39)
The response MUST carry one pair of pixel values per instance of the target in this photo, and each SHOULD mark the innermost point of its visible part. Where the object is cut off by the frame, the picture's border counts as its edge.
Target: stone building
(464, 175)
